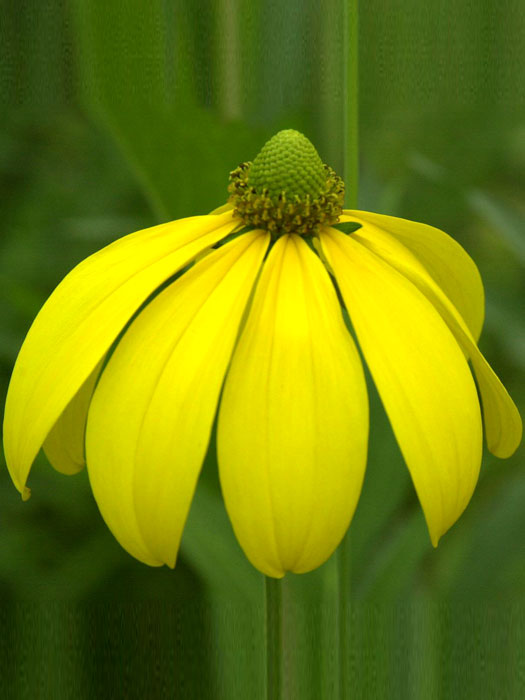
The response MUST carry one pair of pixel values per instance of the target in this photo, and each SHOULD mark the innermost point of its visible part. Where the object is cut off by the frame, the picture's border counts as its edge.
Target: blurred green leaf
(508, 223)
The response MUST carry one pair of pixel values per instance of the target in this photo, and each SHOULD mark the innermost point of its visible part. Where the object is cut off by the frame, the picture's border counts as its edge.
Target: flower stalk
(351, 177)
(274, 638)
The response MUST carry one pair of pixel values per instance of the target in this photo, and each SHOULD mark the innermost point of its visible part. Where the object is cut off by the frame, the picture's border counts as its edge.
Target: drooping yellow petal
(421, 374)
(81, 319)
(64, 445)
(502, 420)
(293, 420)
(152, 412)
(445, 260)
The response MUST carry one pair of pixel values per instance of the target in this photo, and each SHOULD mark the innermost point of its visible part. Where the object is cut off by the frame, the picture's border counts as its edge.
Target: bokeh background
(116, 116)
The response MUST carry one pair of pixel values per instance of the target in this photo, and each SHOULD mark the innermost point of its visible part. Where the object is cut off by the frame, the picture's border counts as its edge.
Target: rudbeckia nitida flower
(129, 379)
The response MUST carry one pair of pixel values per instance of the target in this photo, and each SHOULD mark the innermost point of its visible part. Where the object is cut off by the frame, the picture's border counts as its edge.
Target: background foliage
(116, 116)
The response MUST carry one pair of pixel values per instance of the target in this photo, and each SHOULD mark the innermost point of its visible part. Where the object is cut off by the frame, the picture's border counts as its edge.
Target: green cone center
(287, 188)
(288, 163)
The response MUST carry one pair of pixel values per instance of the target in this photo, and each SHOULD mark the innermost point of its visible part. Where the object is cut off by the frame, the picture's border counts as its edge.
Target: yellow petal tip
(26, 493)
(505, 445)
(436, 533)
(277, 575)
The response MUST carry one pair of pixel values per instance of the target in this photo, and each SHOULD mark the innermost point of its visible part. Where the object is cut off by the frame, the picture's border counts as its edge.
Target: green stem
(351, 107)
(343, 617)
(274, 639)
(351, 174)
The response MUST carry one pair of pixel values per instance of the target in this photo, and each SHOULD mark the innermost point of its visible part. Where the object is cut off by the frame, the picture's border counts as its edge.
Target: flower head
(287, 189)
(127, 378)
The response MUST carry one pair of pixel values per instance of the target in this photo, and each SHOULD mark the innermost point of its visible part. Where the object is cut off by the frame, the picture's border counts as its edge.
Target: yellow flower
(137, 378)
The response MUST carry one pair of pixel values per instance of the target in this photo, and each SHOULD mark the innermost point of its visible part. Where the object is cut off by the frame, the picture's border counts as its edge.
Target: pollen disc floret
(287, 188)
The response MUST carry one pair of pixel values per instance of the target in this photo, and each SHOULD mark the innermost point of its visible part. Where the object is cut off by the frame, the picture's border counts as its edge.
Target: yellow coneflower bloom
(130, 382)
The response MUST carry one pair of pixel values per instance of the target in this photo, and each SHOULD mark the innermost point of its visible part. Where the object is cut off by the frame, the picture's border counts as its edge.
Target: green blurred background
(116, 116)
